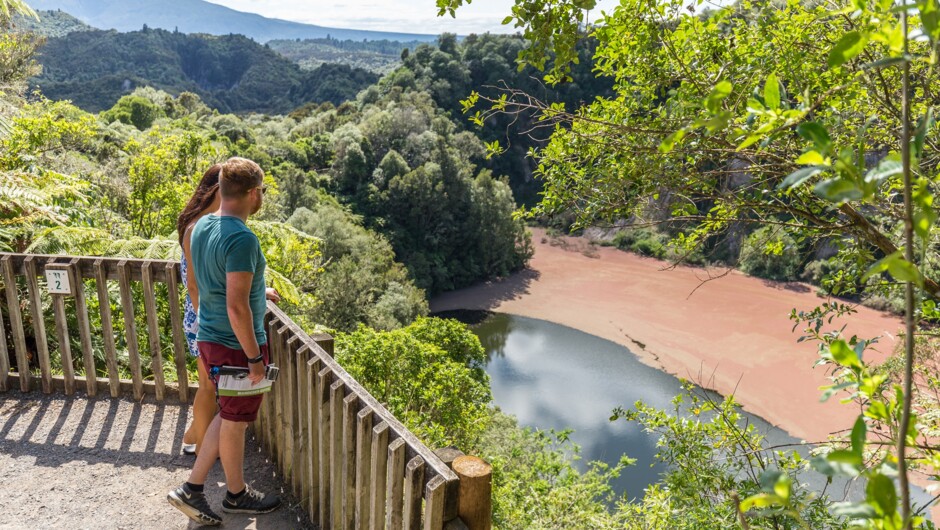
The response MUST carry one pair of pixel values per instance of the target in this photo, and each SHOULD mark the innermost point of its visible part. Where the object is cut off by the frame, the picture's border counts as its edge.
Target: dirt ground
(109, 463)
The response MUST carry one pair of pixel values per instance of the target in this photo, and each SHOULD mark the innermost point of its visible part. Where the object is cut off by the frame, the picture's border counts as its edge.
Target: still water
(554, 377)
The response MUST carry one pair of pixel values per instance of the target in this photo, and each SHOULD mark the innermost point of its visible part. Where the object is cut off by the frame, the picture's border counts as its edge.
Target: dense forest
(231, 73)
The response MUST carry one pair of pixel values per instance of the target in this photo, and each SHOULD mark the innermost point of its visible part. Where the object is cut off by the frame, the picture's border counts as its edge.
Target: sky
(408, 16)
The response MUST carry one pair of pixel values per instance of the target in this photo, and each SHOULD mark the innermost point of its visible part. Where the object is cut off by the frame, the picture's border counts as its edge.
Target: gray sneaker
(252, 501)
(194, 505)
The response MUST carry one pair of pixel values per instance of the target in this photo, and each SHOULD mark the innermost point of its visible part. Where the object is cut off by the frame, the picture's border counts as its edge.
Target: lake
(554, 377)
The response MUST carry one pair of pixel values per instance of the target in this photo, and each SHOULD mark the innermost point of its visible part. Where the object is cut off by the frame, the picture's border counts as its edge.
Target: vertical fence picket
(107, 327)
(39, 323)
(414, 480)
(434, 494)
(313, 438)
(396, 483)
(288, 386)
(4, 357)
(336, 454)
(379, 475)
(130, 326)
(325, 449)
(16, 324)
(363, 466)
(84, 327)
(153, 329)
(180, 346)
(302, 449)
(349, 460)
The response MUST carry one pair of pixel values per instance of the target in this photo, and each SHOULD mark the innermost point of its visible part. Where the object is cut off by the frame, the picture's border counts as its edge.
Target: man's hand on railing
(271, 294)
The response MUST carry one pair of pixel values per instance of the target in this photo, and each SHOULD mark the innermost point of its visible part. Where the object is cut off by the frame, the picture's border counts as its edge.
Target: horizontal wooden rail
(133, 334)
(351, 461)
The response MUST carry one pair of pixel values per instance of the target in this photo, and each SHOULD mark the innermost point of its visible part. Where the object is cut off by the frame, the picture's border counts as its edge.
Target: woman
(204, 201)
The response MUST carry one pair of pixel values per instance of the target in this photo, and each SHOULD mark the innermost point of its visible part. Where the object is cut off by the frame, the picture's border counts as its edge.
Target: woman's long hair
(202, 198)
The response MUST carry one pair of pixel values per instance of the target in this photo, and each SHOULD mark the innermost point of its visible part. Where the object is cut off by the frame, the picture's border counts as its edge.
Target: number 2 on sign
(58, 282)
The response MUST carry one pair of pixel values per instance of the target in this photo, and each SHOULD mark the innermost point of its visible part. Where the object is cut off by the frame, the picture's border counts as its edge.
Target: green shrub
(770, 253)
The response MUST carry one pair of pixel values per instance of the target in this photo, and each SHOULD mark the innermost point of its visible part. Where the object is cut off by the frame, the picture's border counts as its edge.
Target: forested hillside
(380, 56)
(487, 63)
(231, 73)
(53, 23)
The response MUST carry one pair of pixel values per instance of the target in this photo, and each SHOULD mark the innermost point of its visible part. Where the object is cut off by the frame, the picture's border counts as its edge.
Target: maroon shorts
(232, 408)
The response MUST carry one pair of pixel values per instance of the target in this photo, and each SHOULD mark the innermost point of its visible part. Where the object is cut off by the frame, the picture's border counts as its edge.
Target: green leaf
(859, 432)
(888, 167)
(670, 142)
(815, 133)
(924, 125)
(899, 268)
(878, 411)
(850, 45)
(852, 510)
(749, 141)
(881, 493)
(800, 176)
(930, 18)
(761, 500)
(719, 93)
(843, 456)
(842, 354)
(885, 63)
(772, 92)
(811, 158)
(838, 190)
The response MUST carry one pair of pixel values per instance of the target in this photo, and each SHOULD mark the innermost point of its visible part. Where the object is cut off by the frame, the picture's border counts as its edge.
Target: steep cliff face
(231, 72)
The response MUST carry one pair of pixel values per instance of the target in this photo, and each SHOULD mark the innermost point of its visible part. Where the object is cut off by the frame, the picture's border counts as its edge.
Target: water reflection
(554, 377)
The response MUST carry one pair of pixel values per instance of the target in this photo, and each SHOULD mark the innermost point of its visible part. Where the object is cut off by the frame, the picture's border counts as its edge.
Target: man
(229, 269)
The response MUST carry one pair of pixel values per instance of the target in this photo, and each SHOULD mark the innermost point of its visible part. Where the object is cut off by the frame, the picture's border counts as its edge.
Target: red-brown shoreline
(731, 334)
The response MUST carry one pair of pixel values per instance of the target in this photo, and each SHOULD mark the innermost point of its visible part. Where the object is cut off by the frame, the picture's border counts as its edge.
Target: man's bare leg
(232, 453)
(208, 453)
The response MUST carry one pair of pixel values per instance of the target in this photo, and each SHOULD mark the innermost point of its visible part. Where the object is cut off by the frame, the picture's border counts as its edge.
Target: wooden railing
(353, 464)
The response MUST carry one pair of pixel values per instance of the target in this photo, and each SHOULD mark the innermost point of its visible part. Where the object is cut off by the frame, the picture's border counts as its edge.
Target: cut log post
(474, 498)
(325, 341)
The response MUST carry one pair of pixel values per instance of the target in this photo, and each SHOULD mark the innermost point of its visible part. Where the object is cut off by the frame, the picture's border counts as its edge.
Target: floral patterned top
(190, 323)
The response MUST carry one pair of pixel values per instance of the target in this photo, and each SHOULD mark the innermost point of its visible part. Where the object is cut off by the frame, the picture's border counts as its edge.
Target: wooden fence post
(474, 500)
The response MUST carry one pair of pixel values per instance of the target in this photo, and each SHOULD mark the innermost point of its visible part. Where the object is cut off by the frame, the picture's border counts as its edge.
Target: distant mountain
(231, 73)
(50, 24)
(198, 16)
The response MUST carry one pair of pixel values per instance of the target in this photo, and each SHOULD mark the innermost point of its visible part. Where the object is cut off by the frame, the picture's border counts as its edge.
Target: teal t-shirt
(223, 244)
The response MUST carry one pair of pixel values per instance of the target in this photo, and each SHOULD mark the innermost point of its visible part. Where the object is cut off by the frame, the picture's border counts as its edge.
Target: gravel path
(71, 462)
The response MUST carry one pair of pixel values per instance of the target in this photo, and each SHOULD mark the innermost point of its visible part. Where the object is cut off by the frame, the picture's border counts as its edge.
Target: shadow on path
(72, 462)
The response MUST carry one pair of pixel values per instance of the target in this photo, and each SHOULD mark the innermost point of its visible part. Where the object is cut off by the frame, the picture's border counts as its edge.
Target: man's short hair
(238, 177)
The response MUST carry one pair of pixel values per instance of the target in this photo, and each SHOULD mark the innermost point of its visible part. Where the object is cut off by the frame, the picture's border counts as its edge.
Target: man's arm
(237, 290)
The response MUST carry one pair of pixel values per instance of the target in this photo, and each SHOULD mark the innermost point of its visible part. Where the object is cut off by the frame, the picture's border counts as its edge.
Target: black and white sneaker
(252, 501)
(194, 505)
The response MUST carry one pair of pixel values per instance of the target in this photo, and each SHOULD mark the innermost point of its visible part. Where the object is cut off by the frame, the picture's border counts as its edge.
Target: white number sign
(58, 281)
